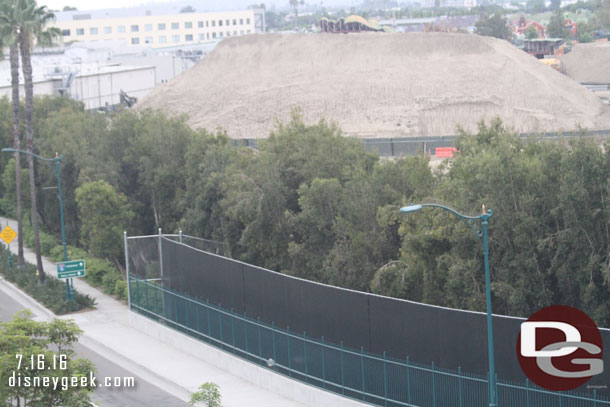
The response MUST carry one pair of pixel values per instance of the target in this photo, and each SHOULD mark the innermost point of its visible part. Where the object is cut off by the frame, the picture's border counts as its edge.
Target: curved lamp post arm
(467, 219)
(14, 150)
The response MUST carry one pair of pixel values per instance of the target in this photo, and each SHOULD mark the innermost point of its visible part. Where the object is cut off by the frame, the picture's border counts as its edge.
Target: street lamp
(57, 161)
(483, 217)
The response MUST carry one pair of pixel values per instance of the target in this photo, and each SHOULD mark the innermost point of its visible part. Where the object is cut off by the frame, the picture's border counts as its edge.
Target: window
(200, 24)
(228, 33)
(247, 21)
(175, 26)
(80, 31)
(65, 33)
(107, 30)
(220, 23)
(201, 37)
(148, 40)
(248, 31)
(188, 37)
(147, 27)
(135, 41)
(220, 34)
(207, 23)
(135, 28)
(175, 38)
(93, 31)
(213, 23)
(241, 32)
(241, 21)
(207, 35)
(234, 32)
(234, 21)
(161, 27)
(188, 24)
(162, 39)
(213, 35)
(121, 28)
(228, 22)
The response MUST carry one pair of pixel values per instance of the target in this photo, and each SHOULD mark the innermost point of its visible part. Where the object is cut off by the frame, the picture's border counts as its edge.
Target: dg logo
(560, 348)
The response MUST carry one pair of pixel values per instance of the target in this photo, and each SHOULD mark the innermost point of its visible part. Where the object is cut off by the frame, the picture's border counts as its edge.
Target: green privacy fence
(354, 373)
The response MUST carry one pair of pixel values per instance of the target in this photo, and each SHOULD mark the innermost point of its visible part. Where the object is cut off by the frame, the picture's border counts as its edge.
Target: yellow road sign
(8, 234)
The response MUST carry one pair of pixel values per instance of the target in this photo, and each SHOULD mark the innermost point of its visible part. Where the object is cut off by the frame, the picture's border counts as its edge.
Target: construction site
(379, 85)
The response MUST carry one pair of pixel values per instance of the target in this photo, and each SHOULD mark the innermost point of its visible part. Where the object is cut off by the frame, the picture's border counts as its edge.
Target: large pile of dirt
(589, 63)
(376, 85)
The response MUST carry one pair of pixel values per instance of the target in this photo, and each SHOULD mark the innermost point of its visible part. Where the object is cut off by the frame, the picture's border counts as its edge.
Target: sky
(93, 4)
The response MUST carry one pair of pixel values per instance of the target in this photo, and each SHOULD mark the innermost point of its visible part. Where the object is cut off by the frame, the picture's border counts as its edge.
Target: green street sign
(74, 268)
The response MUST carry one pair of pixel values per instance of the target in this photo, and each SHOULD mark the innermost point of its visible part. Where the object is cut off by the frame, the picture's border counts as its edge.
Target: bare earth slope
(376, 85)
(588, 62)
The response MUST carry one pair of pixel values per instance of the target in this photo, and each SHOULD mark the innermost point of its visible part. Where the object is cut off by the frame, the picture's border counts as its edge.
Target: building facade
(156, 31)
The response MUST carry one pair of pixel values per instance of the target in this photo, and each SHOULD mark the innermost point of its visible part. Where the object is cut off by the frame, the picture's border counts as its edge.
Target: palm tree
(32, 26)
(9, 29)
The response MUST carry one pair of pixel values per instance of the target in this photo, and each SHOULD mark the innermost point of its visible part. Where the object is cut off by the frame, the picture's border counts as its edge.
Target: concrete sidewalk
(108, 332)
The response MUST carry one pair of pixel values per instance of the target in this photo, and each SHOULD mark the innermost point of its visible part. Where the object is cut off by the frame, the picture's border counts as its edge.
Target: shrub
(120, 289)
(109, 282)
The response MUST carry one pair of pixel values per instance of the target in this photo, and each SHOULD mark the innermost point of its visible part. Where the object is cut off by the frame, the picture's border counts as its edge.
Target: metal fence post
(460, 384)
(362, 371)
(594, 397)
(180, 236)
(527, 392)
(323, 364)
(289, 362)
(222, 340)
(273, 344)
(233, 328)
(246, 334)
(342, 372)
(260, 342)
(305, 355)
(207, 310)
(127, 270)
(408, 383)
(161, 255)
(433, 386)
(385, 377)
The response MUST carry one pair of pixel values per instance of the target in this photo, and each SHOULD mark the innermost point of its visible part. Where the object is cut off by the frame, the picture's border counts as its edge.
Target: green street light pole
(483, 217)
(57, 161)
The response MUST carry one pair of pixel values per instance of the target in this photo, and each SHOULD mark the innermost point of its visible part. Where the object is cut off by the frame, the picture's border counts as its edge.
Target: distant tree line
(314, 204)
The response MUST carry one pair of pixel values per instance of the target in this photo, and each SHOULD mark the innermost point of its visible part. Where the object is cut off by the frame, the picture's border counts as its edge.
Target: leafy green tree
(208, 394)
(556, 27)
(531, 33)
(104, 214)
(33, 22)
(494, 26)
(9, 36)
(23, 340)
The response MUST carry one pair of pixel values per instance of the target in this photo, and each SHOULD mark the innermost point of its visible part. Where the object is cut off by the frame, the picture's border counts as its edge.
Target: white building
(154, 30)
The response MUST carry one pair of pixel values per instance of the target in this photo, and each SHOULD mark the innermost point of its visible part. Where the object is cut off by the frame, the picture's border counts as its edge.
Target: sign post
(69, 269)
(8, 235)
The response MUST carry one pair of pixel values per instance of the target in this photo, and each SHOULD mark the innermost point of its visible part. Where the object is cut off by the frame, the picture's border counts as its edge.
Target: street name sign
(8, 234)
(74, 268)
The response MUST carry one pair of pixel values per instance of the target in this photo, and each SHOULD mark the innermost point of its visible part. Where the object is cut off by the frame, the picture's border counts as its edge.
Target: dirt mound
(376, 85)
(588, 63)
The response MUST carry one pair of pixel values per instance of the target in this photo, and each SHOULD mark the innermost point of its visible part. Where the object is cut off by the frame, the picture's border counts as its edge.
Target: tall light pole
(483, 217)
(57, 161)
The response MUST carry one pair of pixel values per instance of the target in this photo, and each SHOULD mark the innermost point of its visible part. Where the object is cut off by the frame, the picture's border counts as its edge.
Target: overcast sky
(93, 4)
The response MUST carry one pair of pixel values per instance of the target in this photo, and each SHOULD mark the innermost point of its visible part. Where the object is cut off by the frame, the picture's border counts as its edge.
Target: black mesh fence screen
(449, 338)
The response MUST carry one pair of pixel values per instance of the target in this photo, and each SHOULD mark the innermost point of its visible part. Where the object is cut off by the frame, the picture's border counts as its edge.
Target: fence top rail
(568, 395)
(480, 313)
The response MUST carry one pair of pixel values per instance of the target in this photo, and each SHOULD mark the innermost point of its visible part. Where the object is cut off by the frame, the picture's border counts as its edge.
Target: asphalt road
(143, 394)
